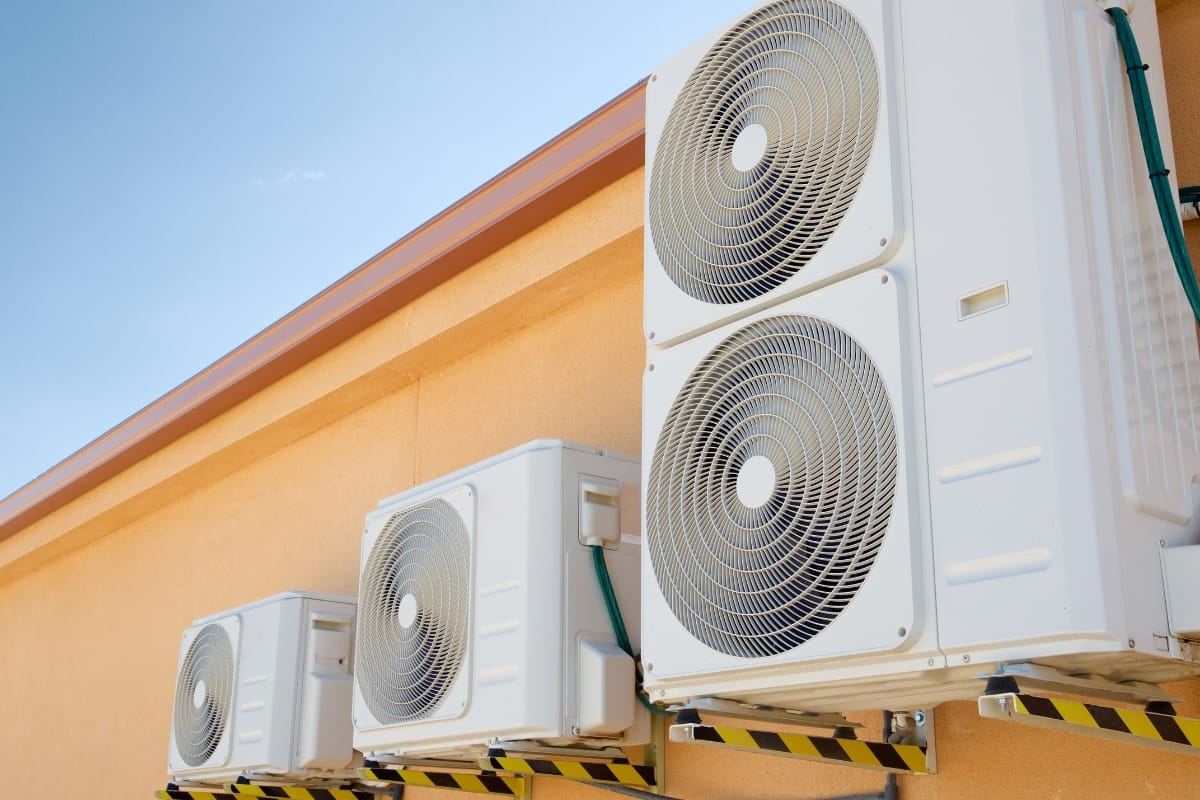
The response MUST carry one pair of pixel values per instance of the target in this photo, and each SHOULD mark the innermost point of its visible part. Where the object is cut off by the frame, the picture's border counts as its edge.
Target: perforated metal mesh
(771, 486)
(764, 150)
(414, 596)
(203, 695)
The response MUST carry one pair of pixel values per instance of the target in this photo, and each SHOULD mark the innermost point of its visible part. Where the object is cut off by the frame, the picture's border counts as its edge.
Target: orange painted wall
(1179, 31)
(541, 339)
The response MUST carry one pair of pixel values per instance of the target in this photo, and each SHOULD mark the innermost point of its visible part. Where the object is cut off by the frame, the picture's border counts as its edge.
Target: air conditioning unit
(481, 616)
(922, 389)
(263, 690)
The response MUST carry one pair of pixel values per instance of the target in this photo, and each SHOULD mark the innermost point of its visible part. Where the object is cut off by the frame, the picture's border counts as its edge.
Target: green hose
(1168, 212)
(618, 622)
(1189, 195)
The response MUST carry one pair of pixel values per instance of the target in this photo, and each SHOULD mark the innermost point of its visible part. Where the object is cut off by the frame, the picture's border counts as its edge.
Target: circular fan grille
(764, 150)
(413, 612)
(772, 486)
(203, 695)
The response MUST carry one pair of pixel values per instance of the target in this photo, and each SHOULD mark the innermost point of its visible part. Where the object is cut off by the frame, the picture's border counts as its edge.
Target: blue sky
(175, 176)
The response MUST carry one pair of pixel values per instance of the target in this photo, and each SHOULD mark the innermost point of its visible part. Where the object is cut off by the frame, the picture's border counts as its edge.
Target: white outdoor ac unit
(922, 388)
(481, 616)
(263, 690)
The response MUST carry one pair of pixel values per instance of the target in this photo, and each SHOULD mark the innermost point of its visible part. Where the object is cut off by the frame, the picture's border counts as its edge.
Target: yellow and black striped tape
(299, 792)
(1140, 724)
(625, 774)
(237, 791)
(876, 755)
(461, 781)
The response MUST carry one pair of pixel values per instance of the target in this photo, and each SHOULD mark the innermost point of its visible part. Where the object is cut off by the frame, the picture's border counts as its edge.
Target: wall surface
(1179, 31)
(542, 338)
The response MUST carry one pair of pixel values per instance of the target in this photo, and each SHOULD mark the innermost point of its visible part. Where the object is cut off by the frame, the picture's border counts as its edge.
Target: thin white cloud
(289, 176)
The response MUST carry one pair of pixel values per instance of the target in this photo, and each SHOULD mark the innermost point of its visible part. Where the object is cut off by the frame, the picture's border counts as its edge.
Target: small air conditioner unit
(953, 428)
(263, 690)
(481, 616)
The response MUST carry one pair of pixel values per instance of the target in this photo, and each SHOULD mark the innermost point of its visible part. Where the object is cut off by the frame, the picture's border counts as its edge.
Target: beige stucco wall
(541, 339)
(1179, 31)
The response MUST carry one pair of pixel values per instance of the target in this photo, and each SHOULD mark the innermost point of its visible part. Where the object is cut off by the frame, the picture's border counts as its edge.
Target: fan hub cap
(406, 615)
(756, 481)
(749, 147)
(199, 694)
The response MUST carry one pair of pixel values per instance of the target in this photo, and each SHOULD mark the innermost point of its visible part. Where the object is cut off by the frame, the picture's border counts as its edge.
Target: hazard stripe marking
(297, 792)
(1109, 718)
(196, 794)
(1039, 706)
(600, 772)
(829, 748)
(767, 740)
(1168, 728)
(1148, 725)
(887, 755)
(460, 781)
(895, 757)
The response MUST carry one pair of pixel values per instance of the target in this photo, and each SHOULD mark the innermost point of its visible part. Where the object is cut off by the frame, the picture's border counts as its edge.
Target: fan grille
(772, 486)
(203, 695)
(764, 150)
(413, 612)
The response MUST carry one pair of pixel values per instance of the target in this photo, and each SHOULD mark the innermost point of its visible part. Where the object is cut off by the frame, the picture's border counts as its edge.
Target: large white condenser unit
(481, 618)
(921, 394)
(263, 691)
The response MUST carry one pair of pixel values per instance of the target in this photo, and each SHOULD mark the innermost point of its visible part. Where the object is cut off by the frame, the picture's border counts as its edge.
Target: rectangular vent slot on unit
(983, 301)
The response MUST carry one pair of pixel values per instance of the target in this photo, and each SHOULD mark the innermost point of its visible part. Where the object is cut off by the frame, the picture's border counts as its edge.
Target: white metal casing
(1048, 361)
(535, 607)
(290, 715)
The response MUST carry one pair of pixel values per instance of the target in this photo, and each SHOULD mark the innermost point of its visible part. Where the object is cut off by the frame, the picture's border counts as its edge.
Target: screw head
(883, 242)
(1131, 643)
(650, 368)
(967, 659)
(650, 335)
(930, 662)
(919, 717)
(649, 666)
(902, 631)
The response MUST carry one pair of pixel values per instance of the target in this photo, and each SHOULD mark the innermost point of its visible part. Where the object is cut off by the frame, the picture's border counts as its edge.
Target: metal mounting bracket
(911, 754)
(714, 706)
(1044, 679)
(1150, 728)
(475, 781)
(1156, 725)
(236, 791)
(597, 769)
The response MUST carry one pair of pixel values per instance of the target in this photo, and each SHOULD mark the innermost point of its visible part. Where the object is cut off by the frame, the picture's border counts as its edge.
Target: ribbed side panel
(1149, 332)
